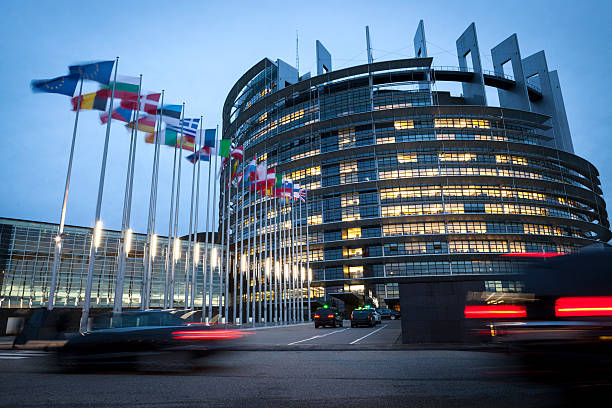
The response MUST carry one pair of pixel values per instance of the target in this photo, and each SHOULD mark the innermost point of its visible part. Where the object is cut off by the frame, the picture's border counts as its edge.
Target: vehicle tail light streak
(207, 335)
(317, 316)
(584, 306)
(330, 316)
(495, 311)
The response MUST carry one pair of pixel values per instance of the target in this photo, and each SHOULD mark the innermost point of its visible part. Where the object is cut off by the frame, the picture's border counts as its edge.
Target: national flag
(200, 154)
(122, 114)
(248, 172)
(296, 192)
(64, 85)
(96, 71)
(224, 148)
(171, 138)
(94, 100)
(261, 173)
(148, 102)
(302, 194)
(189, 126)
(146, 123)
(169, 112)
(126, 87)
(210, 137)
(237, 153)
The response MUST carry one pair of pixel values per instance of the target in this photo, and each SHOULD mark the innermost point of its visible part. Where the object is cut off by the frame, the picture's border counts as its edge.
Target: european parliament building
(406, 179)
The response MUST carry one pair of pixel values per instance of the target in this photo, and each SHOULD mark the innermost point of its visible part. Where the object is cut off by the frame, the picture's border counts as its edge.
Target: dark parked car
(147, 340)
(327, 316)
(389, 314)
(363, 317)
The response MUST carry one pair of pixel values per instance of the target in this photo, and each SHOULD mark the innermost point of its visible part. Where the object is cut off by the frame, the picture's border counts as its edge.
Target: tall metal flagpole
(241, 237)
(284, 254)
(275, 253)
(222, 247)
(293, 283)
(97, 232)
(308, 258)
(176, 257)
(301, 266)
(254, 264)
(266, 268)
(60, 231)
(206, 236)
(125, 222)
(235, 236)
(248, 255)
(210, 276)
(258, 240)
(195, 227)
(148, 253)
(227, 232)
(188, 258)
(167, 303)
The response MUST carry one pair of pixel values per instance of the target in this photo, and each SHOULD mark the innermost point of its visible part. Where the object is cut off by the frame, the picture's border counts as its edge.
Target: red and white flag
(148, 103)
(237, 153)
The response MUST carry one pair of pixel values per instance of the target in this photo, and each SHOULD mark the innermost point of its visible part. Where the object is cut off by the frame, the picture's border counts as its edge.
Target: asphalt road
(275, 373)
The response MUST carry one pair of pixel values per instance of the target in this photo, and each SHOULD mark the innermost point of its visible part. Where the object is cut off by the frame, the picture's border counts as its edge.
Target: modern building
(26, 263)
(405, 179)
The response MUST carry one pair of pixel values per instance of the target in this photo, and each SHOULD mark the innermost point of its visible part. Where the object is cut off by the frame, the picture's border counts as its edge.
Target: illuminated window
(403, 124)
(503, 158)
(346, 138)
(315, 219)
(353, 272)
(351, 233)
(352, 252)
(461, 123)
(461, 157)
(348, 167)
(407, 158)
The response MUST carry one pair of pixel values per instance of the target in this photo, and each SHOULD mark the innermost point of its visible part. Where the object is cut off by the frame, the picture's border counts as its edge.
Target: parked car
(377, 316)
(327, 316)
(363, 317)
(389, 314)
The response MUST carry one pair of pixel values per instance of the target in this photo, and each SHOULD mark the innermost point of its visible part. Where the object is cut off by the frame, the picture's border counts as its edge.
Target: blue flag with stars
(64, 85)
(96, 71)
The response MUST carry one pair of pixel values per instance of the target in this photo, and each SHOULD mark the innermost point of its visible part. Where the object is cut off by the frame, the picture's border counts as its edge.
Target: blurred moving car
(363, 317)
(144, 340)
(327, 316)
(389, 314)
(377, 316)
(561, 324)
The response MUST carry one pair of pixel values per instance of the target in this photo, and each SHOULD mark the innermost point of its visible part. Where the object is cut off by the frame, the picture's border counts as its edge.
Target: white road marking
(369, 334)
(317, 337)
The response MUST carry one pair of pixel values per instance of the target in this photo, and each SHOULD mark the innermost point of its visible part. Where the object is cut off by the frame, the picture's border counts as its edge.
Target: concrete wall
(433, 312)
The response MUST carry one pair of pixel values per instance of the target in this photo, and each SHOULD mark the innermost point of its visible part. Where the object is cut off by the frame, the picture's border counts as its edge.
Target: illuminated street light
(196, 253)
(176, 251)
(98, 234)
(128, 241)
(153, 245)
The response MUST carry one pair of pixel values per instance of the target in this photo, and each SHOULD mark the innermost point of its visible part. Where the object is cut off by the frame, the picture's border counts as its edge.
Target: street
(321, 368)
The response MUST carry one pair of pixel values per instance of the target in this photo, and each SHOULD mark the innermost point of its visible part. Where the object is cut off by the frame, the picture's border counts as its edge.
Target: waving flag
(126, 87)
(96, 71)
(148, 102)
(145, 124)
(199, 155)
(189, 126)
(210, 137)
(171, 138)
(237, 153)
(95, 100)
(122, 114)
(64, 85)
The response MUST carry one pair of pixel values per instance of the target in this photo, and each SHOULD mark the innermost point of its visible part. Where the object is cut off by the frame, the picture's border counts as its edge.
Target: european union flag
(96, 71)
(64, 85)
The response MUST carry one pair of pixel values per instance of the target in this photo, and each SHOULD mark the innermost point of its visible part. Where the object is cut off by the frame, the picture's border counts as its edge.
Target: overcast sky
(196, 50)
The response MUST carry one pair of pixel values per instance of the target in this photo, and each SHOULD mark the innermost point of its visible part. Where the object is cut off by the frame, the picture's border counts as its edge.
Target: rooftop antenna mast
(369, 48)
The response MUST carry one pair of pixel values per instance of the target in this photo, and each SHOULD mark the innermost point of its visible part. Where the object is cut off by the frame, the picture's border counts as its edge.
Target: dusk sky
(196, 51)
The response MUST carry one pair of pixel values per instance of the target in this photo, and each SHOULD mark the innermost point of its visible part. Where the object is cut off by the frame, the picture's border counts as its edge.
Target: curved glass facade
(405, 180)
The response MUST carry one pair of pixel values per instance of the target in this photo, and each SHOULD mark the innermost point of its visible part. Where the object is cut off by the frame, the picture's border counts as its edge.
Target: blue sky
(196, 50)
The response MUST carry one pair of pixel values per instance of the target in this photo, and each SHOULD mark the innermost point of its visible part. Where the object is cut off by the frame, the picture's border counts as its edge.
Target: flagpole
(227, 232)
(206, 236)
(235, 236)
(60, 231)
(190, 248)
(148, 255)
(196, 260)
(222, 247)
(292, 234)
(125, 222)
(167, 302)
(97, 222)
(284, 255)
(266, 267)
(301, 267)
(276, 257)
(241, 237)
(210, 276)
(308, 259)
(258, 238)
(248, 255)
